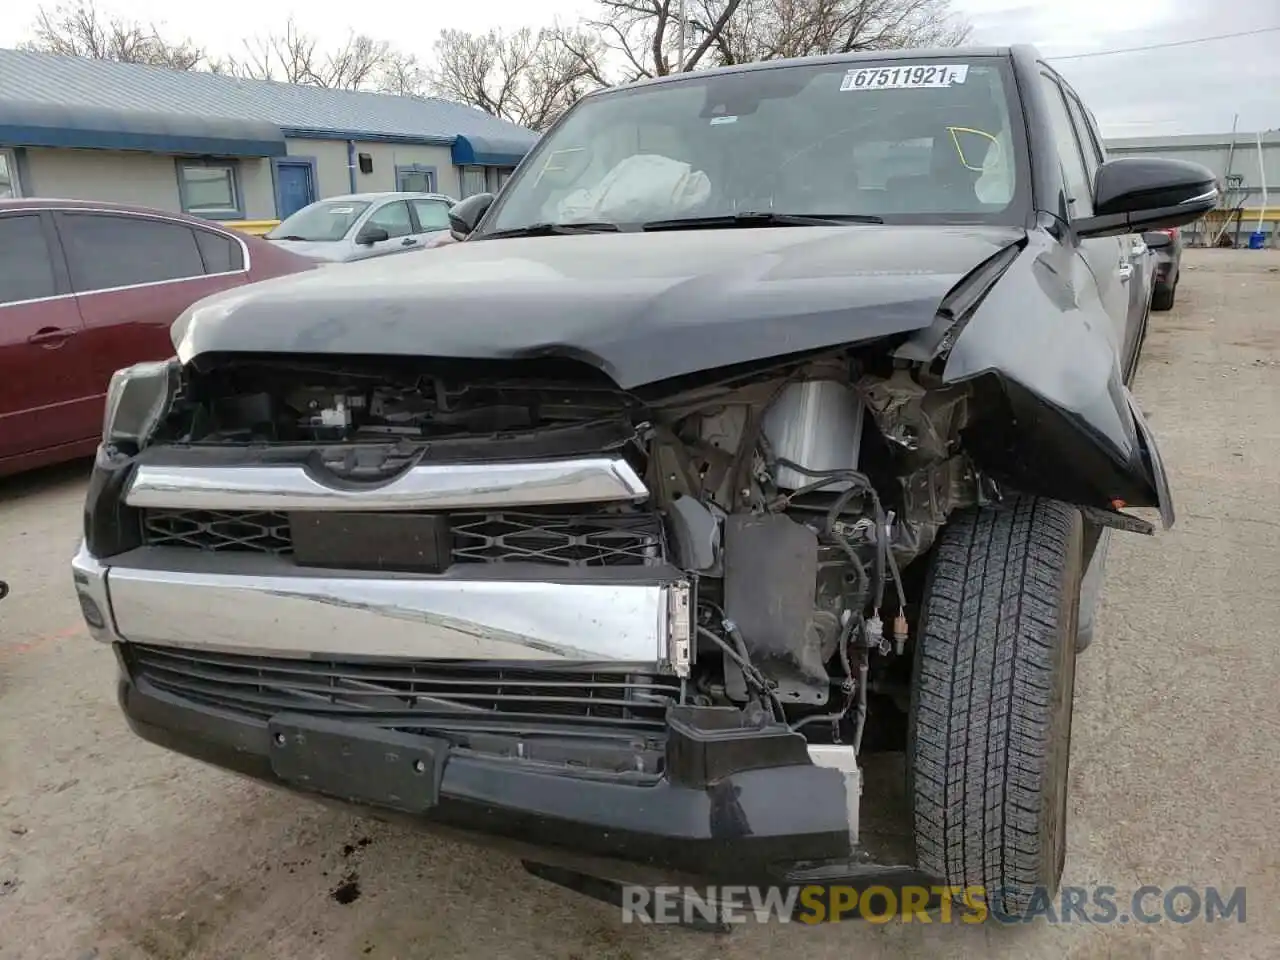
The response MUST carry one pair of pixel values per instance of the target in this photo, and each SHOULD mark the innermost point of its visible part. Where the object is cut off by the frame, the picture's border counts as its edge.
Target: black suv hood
(642, 307)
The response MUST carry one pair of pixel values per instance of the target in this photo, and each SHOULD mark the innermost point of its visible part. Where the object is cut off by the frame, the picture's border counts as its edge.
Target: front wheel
(1162, 298)
(990, 723)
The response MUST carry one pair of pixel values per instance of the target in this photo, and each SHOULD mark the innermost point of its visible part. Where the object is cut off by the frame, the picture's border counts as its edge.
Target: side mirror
(1133, 194)
(1156, 239)
(370, 234)
(466, 214)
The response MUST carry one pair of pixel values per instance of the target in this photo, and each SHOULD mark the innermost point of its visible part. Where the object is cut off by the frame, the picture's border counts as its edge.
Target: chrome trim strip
(346, 614)
(430, 486)
(1207, 195)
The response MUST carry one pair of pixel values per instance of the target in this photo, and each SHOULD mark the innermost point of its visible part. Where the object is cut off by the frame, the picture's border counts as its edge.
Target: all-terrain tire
(990, 724)
(1162, 296)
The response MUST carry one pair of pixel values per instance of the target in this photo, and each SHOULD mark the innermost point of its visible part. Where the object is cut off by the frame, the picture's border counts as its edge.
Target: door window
(432, 214)
(1092, 151)
(1074, 171)
(105, 251)
(393, 218)
(26, 267)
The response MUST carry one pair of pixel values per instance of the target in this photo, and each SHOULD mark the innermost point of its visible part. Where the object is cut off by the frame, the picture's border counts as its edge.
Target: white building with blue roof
(224, 148)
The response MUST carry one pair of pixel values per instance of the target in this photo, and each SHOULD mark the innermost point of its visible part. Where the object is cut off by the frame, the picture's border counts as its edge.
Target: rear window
(432, 214)
(105, 251)
(221, 254)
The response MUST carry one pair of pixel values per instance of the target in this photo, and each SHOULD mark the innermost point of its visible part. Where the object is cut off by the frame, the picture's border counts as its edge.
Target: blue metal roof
(60, 125)
(94, 86)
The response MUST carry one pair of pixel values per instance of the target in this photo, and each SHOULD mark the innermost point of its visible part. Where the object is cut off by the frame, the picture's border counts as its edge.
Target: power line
(1171, 43)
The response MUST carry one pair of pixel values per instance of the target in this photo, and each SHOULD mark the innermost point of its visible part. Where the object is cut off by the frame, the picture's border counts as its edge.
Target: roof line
(367, 136)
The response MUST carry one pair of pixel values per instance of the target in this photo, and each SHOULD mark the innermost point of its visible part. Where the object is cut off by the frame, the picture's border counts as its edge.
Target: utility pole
(680, 62)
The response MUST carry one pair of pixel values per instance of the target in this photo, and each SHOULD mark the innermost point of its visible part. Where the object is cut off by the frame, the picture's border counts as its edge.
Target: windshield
(326, 220)
(903, 140)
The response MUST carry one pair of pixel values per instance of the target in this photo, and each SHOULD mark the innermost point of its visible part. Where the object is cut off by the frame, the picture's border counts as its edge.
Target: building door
(295, 187)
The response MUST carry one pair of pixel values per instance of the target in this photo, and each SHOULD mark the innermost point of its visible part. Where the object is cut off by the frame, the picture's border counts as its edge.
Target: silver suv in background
(358, 226)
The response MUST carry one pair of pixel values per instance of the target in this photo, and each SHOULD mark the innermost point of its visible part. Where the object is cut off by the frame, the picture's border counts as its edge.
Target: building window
(473, 181)
(9, 186)
(211, 189)
(415, 178)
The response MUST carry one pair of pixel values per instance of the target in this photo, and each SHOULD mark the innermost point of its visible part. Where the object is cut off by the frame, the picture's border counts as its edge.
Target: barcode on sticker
(906, 77)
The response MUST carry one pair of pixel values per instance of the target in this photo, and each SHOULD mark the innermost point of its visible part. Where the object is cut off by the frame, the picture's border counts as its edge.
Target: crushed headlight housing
(138, 398)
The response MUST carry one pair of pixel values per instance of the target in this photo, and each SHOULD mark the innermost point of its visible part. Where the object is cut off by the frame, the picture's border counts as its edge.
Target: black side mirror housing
(1156, 239)
(1133, 194)
(372, 235)
(466, 214)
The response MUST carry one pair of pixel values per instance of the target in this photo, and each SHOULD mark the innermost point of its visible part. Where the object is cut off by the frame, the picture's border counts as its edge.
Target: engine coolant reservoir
(818, 425)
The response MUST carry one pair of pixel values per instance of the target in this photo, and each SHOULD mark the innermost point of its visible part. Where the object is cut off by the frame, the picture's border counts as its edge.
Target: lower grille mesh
(564, 540)
(557, 538)
(218, 531)
(398, 693)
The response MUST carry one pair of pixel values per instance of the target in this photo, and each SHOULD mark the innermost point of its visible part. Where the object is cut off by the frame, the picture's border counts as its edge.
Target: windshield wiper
(289, 236)
(553, 229)
(762, 219)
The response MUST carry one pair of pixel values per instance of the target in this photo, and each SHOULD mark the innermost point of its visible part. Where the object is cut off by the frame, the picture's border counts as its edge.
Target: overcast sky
(1187, 89)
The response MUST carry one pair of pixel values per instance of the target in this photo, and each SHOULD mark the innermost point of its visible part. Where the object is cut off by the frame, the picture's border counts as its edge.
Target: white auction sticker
(905, 78)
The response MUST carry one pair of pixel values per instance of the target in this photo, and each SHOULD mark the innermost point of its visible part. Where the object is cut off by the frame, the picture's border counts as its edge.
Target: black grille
(557, 538)
(564, 540)
(402, 694)
(218, 531)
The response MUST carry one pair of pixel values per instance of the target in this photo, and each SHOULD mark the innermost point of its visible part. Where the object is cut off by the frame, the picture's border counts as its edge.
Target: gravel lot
(110, 848)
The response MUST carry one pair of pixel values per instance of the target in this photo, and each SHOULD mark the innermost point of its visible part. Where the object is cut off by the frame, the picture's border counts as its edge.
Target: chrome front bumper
(266, 606)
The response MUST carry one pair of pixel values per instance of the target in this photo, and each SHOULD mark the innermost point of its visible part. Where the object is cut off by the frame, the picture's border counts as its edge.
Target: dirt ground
(111, 848)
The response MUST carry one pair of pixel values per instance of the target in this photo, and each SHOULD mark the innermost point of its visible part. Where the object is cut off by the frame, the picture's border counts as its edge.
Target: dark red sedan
(87, 288)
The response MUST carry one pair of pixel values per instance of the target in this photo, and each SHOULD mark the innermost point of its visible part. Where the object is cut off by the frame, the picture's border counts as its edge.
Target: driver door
(393, 217)
(1127, 291)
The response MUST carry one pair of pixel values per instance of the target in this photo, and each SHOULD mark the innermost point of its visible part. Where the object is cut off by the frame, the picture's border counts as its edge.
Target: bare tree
(645, 34)
(77, 29)
(291, 56)
(528, 77)
(402, 74)
(287, 56)
(774, 29)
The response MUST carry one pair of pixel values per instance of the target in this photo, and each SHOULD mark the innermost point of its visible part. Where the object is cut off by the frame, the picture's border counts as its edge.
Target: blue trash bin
(1257, 240)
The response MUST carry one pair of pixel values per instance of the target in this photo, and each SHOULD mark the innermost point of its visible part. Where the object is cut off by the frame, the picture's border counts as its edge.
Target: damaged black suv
(740, 484)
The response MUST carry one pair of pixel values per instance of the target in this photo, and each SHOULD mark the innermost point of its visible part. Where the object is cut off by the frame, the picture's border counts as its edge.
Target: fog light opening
(92, 612)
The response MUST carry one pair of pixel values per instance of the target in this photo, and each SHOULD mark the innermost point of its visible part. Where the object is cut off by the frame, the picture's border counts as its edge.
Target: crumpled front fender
(1067, 427)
